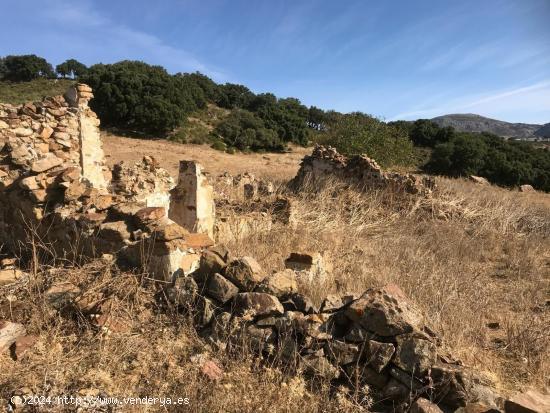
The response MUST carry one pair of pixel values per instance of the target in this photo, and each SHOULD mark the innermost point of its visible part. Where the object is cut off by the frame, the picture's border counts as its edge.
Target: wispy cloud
(103, 39)
(535, 97)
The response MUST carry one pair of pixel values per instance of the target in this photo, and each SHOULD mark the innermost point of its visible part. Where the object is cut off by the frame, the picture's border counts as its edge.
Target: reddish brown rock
(211, 370)
(148, 214)
(198, 240)
(382, 313)
(22, 345)
(169, 232)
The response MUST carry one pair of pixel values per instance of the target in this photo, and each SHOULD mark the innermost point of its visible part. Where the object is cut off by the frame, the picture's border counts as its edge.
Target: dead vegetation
(475, 259)
(470, 257)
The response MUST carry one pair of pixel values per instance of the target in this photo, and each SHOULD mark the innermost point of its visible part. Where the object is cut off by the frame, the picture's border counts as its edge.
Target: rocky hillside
(544, 131)
(475, 123)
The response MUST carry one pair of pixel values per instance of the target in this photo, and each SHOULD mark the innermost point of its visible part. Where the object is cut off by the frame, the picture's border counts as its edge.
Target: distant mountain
(468, 122)
(544, 132)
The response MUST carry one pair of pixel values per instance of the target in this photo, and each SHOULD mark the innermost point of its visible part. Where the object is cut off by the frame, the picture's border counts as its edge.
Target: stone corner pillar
(192, 200)
(92, 158)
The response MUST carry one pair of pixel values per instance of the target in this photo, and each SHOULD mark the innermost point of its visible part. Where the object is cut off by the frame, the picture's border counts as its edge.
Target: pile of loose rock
(378, 338)
(359, 171)
(243, 186)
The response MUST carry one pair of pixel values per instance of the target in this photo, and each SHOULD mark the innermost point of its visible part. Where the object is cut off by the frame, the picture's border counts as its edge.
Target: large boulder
(220, 288)
(279, 283)
(414, 355)
(531, 401)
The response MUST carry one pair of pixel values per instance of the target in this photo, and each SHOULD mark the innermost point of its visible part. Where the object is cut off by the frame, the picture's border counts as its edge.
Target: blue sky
(404, 59)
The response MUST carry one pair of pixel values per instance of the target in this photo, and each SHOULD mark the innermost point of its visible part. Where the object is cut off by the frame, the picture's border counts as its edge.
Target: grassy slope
(21, 92)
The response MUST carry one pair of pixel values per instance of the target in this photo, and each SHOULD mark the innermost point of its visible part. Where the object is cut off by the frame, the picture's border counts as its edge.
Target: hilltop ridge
(470, 122)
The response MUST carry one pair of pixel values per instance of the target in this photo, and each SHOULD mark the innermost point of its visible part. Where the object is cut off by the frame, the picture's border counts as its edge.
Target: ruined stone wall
(56, 193)
(143, 182)
(359, 171)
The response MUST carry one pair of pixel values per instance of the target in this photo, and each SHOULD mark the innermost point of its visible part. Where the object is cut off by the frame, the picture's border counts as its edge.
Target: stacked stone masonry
(379, 338)
(55, 191)
(358, 171)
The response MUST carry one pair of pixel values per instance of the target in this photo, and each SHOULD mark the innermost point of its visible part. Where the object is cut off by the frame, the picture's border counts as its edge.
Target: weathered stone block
(259, 304)
(245, 273)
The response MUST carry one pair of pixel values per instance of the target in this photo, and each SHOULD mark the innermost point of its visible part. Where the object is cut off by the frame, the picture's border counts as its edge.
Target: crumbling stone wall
(378, 338)
(143, 182)
(359, 171)
(55, 191)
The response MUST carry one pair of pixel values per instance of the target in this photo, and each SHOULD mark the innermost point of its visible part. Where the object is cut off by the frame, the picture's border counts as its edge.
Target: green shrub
(357, 133)
(71, 68)
(501, 162)
(135, 95)
(247, 132)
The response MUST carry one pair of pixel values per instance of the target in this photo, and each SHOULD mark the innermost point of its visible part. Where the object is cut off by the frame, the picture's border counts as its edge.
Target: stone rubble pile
(378, 338)
(359, 171)
(244, 186)
(143, 182)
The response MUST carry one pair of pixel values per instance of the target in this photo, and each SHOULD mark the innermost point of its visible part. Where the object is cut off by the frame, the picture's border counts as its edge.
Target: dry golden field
(468, 256)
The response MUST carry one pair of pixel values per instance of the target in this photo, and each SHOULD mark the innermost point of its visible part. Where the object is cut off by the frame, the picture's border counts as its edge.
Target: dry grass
(468, 256)
(273, 165)
(151, 355)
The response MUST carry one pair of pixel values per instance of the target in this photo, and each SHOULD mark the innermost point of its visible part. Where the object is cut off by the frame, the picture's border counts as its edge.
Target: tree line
(503, 162)
(139, 97)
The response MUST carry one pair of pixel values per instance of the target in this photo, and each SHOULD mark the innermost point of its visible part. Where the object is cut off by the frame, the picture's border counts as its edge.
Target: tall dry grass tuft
(468, 256)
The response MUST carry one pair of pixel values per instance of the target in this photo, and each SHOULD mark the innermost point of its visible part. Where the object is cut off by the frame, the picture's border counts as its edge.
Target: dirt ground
(272, 165)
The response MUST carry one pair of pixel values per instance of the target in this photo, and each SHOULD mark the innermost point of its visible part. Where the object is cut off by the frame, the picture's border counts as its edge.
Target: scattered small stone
(61, 294)
(422, 405)
(10, 276)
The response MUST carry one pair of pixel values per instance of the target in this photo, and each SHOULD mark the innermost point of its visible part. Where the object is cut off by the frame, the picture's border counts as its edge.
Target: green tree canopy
(71, 68)
(245, 131)
(26, 67)
(135, 95)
